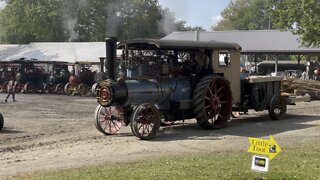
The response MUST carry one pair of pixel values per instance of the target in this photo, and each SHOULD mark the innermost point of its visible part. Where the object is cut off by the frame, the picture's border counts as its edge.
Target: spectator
(11, 89)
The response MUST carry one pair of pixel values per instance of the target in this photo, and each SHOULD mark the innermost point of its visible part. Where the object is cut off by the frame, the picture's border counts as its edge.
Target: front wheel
(145, 121)
(212, 102)
(108, 120)
(278, 107)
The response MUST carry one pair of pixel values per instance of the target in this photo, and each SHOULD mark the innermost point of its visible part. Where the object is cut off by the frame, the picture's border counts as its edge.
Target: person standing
(11, 90)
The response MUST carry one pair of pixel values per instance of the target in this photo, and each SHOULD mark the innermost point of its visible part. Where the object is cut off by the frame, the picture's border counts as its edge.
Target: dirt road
(49, 132)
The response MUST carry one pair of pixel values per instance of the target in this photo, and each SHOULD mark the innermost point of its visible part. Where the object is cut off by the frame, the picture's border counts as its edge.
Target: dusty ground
(48, 132)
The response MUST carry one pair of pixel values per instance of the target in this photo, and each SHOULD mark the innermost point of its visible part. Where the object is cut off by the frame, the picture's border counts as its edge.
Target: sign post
(267, 148)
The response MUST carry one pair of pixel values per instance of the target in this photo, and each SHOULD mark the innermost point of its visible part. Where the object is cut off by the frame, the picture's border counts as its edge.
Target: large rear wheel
(212, 102)
(145, 121)
(84, 90)
(59, 89)
(108, 120)
(69, 89)
(29, 88)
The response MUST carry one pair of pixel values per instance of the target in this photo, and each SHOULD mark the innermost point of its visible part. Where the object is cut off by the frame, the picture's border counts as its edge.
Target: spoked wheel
(59, 89)
(18, 87)
(145, 121)
(4, 86)
(93, 88)
(48, 88)
(278, 107)
(84, 90)
(69, 89)
(1, 88)
(1, 121)
(212, 102)
(108, 120)
(29, 88)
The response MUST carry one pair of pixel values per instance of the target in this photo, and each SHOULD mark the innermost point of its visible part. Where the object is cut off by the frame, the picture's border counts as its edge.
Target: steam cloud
(70, 19)
(113, 19)
(166, 25)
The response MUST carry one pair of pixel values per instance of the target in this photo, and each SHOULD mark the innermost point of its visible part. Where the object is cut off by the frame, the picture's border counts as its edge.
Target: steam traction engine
(58, 77)
(81, 79)
(29, 74)
(168, 80)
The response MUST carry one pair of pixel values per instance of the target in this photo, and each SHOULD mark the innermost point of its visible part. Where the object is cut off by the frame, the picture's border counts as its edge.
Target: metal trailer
(163, 81)
(262, 93)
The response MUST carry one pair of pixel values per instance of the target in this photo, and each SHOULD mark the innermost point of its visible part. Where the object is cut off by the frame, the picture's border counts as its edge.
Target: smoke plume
(70, 17)
(113, 18)
(166, 25)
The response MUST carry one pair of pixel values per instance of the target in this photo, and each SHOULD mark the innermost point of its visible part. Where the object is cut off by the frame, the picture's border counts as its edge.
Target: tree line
(300, 16)
(23, 21)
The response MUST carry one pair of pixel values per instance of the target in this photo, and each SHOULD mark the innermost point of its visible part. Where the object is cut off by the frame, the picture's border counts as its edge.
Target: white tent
(67, 51)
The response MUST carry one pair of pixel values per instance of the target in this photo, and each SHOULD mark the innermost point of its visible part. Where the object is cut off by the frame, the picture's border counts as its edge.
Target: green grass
(299, 162)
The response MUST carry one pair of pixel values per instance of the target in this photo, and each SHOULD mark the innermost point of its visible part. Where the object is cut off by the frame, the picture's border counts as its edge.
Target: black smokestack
(102, 64)
(111, 53)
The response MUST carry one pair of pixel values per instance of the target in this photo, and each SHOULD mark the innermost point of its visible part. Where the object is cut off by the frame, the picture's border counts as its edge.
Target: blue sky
(203, 13)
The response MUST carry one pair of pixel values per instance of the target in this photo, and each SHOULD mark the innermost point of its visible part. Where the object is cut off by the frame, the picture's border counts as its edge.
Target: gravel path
(49, 132)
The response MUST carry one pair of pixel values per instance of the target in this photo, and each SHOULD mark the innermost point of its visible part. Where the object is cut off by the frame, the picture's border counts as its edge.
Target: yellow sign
(265, 147)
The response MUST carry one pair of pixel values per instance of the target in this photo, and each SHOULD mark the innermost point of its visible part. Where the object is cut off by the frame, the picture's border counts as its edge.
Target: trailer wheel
(212, 99)
(1, 121)
(108, 120)
(145, 121)
(278, 107)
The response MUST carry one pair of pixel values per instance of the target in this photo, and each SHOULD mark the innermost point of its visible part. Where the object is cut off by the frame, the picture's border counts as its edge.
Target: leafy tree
(303, 16)
(24, 21)
(245, 15)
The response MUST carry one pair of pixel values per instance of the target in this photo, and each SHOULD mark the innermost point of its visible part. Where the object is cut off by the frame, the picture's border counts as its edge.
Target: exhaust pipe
(102, 64)
(111, 53)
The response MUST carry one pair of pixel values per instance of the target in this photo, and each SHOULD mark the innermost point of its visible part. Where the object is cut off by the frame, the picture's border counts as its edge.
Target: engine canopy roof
(177, 44)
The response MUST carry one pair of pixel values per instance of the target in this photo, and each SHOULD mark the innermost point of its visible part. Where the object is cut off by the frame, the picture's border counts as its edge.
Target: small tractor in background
(161, 81)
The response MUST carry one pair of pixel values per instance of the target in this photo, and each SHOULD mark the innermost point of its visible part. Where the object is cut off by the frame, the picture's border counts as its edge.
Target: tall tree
(301, 16)
(24, 21)
(245, 15)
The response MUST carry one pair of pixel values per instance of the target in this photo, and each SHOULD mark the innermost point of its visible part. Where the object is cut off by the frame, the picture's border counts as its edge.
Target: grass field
(299, 162)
